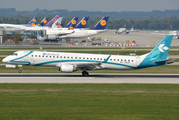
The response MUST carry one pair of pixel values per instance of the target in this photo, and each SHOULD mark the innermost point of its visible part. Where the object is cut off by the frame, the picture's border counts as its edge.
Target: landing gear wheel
(84, 73)
(20, 71)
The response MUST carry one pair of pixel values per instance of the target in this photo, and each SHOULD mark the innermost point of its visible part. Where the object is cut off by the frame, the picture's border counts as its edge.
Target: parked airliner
(70, 62)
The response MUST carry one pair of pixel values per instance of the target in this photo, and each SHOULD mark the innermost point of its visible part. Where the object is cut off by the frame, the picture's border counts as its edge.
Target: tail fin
(82, 23)
(57, 24)
(33, 21)
(52, 21)
(72, 22)
(158, 56)
(101, 24)
(43, 22)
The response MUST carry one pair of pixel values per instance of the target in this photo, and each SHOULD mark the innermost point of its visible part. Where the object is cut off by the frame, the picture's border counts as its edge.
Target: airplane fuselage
(57, 59)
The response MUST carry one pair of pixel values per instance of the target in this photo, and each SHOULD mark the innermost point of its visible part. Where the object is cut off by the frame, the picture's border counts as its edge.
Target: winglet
(105, 61)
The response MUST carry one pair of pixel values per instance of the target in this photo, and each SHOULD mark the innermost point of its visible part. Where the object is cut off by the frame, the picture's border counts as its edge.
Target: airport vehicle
(97, 42)
(70, 62)
(98, 28)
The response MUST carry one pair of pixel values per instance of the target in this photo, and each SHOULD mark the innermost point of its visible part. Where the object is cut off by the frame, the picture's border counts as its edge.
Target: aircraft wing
(88, 66)
(92, 66)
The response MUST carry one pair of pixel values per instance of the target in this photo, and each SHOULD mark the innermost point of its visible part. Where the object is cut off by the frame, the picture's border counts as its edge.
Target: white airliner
(97, 29)
(70, 62)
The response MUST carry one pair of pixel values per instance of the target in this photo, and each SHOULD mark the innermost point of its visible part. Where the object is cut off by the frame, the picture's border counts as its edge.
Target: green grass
(89, 101)
(167, 69)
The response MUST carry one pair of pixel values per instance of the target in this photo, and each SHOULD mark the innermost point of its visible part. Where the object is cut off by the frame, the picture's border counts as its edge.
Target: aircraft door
(137, 60)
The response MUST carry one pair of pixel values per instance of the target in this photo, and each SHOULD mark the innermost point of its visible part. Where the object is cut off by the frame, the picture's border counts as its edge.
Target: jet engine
(67, 68)
(52, 37)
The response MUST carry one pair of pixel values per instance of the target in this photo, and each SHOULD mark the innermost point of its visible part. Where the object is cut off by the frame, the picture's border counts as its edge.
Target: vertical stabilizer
(43, 22)
(57, 24)
(33, 21)
(52, 21)
(82, 23)
(72, 22)
(101, 24)
(158, 56)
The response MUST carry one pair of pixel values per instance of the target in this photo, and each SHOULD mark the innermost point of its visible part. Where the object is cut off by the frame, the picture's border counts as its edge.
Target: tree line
(152, 23)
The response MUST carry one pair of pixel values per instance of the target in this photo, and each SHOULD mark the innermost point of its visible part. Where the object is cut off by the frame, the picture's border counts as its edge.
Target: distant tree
(17, 38)
(6, 37)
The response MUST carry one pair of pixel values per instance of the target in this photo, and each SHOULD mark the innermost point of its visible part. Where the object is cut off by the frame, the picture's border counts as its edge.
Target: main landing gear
(85, 73)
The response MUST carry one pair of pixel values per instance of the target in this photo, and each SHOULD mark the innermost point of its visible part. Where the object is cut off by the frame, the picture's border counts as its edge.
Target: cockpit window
(14, 54)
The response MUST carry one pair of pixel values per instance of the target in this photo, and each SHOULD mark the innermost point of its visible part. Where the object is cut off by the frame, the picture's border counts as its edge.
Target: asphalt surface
(72, 78)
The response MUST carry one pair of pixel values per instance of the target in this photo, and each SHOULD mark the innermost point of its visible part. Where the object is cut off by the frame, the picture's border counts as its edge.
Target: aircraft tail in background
(43, 22)
(57, 24)
(72, 22)
(33, 21)
(82, 23)
(49, 24)
(101, 24)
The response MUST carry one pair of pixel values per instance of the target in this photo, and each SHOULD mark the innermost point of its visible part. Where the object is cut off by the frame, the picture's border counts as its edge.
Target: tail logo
(32, 24)
(103, 22)
(83, 22)
(71, 28)
(57, 24)
(73, 22)
(34, 20)
(45, 21)
(162, 48)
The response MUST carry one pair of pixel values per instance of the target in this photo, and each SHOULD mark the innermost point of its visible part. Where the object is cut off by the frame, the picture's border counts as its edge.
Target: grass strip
(89, 101)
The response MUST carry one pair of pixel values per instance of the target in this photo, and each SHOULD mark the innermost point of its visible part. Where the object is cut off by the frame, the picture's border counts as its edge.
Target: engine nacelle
(41, 38)
(67, 68)
(52, 37)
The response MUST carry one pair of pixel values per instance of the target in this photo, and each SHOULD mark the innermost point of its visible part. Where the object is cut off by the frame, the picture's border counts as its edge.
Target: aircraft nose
(5, 60)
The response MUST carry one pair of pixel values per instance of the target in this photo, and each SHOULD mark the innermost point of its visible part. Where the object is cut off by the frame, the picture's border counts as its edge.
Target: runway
(95, 78)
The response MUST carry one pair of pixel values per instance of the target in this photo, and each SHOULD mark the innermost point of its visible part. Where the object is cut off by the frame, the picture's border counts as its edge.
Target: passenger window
(35, 55)
(76, 58)
(57, 56)
(71, 57)
(121, 60)
(87, 58)
(100, 58)
(64, 57)
(94, 58)
(83, 58)
(46, 56)
(50, 56)
(132, 60)
(97, 58)
(79, 57)
(110, 59)
(43, 56)
(117, 59)
(39, 55)
(60, 56)
(91, 58)
(32, 55)
(114, 59)
(53, 56)
(68, 57)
